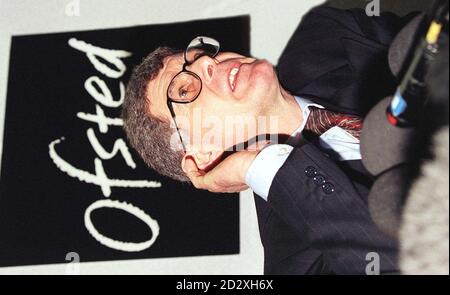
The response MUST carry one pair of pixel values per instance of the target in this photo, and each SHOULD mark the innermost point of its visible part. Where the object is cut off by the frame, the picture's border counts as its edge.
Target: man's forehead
(173, 60)
(157, 87)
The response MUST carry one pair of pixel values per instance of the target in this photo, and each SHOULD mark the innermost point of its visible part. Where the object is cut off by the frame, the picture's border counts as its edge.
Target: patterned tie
(320, 120)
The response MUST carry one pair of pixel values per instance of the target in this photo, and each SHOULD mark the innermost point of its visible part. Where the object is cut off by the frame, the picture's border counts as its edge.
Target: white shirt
(262, 171)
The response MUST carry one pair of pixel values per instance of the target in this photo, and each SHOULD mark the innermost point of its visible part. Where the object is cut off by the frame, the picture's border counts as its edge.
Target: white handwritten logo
(110, 55)
(99, 178)
(100, 92)
(118, 245)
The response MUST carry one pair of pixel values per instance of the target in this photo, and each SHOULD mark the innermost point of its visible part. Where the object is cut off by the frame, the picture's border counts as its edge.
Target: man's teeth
(233, 73)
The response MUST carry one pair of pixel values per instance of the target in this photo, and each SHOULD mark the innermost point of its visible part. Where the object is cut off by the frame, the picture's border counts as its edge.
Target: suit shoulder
(331, 12)
(331, 18)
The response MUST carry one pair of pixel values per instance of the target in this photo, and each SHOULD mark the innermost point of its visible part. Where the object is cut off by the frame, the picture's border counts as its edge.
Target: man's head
(224, 101)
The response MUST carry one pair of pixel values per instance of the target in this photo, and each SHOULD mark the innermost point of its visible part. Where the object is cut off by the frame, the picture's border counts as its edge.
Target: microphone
(409, 99)
(383, 145)
(399, 54)
(395, 135)
(399, 51)
(392, 130)
(387, 197)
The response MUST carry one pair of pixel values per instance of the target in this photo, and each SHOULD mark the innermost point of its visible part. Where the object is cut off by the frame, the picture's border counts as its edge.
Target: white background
(272, 23)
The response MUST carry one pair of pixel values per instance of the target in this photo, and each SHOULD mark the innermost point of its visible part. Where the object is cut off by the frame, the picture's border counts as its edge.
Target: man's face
(224, 101)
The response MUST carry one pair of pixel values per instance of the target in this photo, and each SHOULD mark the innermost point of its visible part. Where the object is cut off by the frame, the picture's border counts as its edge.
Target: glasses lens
(201, 46)
(185, 87)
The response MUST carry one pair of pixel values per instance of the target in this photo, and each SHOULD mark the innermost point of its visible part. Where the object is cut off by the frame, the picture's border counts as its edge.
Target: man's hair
(150, 136)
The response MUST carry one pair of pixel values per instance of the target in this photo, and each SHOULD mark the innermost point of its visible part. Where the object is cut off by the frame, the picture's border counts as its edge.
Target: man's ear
(204, 161)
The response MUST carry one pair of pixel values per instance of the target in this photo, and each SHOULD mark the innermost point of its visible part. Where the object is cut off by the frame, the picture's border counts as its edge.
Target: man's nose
(204, 67)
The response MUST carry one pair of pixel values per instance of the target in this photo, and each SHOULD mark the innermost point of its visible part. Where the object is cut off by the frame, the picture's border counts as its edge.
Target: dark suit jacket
(339, 59)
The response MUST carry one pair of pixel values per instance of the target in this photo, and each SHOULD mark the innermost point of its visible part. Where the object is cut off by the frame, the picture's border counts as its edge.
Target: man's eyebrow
(168, 77)
(160, 87)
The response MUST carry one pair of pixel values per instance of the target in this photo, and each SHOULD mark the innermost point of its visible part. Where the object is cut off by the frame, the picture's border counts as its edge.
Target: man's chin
(258, 145)
(264, 80)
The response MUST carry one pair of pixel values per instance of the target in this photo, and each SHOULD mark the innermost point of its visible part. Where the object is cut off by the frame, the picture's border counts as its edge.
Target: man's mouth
(232, 77)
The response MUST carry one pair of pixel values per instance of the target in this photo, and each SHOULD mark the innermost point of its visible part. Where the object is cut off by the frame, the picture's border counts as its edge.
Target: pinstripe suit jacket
(337, 58)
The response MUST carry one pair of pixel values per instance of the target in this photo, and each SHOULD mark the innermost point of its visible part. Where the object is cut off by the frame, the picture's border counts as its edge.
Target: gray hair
(149, 135)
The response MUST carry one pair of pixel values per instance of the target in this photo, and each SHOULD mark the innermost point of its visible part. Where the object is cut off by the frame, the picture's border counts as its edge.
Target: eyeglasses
(186, 86)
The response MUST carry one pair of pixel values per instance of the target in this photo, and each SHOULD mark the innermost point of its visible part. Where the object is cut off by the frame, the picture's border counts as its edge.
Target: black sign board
(70, 184)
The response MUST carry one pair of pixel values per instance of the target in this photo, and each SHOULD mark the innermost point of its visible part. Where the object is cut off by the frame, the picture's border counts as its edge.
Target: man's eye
(182, 93)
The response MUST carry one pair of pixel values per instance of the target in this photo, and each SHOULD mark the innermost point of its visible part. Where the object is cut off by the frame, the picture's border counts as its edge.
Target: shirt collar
(305, 105)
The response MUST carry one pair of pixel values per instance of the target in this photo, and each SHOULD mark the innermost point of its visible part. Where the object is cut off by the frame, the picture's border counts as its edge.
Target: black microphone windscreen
(437, 87)
(402, 48)
(383, 145)
(387, 196)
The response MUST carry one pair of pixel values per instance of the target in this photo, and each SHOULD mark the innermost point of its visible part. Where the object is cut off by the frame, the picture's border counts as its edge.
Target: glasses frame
(170, 101)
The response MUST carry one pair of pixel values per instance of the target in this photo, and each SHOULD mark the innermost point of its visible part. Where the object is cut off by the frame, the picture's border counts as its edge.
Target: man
(311, 188)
